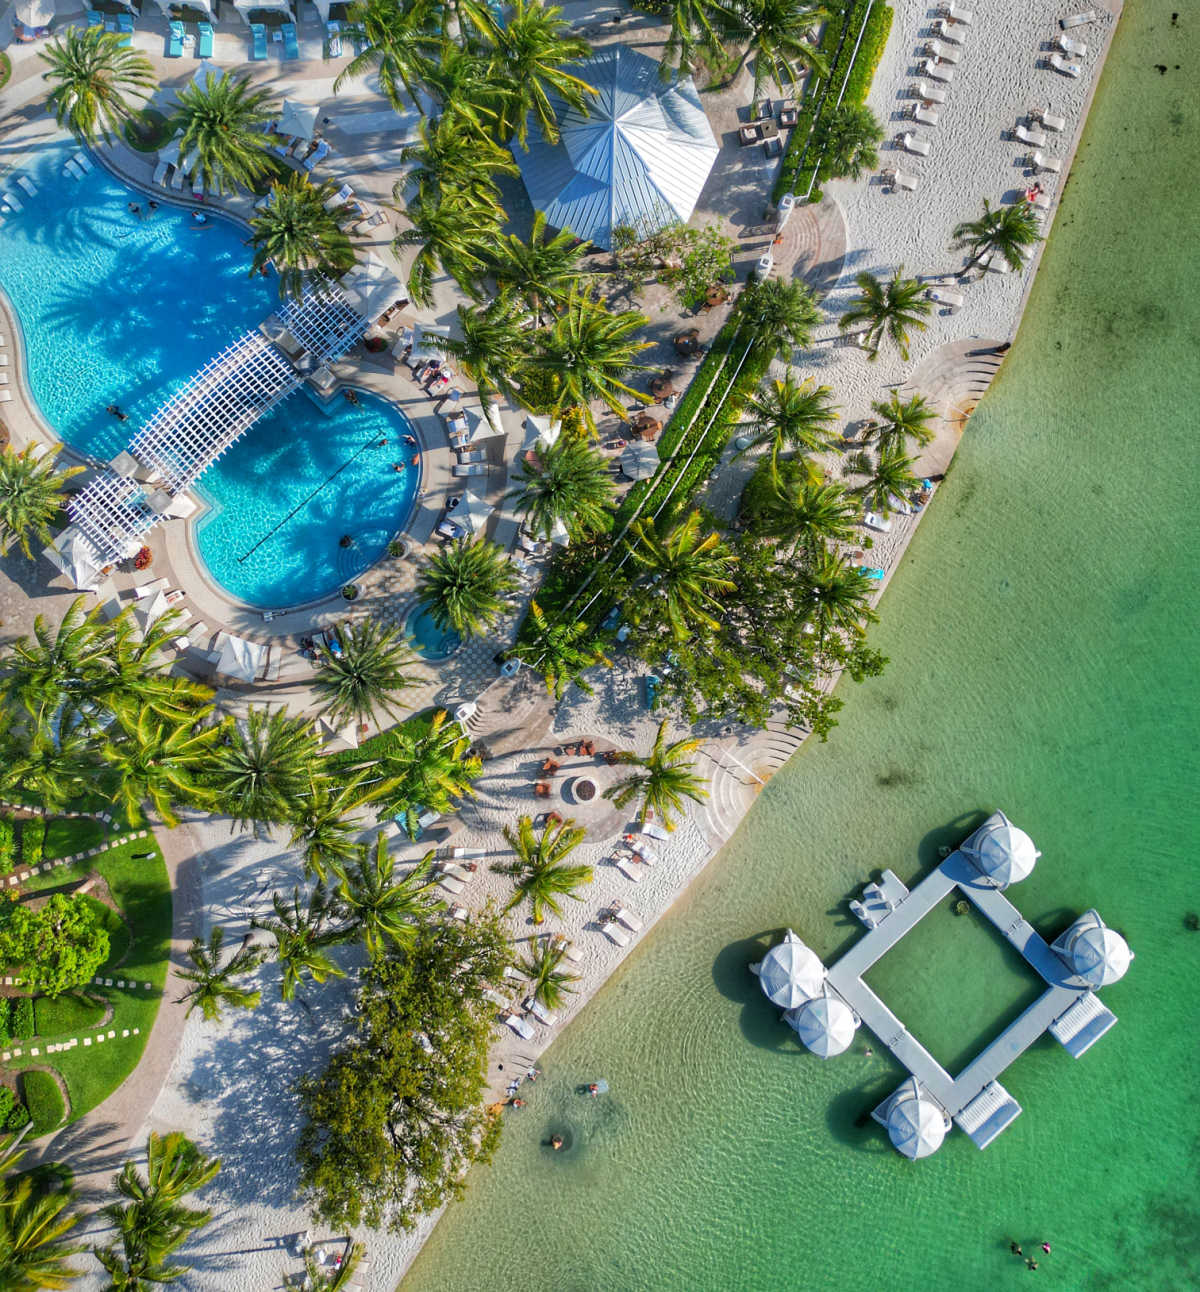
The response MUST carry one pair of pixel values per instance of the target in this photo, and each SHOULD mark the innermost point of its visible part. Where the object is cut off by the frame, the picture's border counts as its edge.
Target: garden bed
(147, 131)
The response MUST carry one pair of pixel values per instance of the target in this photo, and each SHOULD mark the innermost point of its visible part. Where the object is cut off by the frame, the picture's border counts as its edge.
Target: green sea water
(1042, 635)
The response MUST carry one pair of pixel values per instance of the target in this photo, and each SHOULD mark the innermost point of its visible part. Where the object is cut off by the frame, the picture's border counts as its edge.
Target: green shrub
(33, 841)
(58, 946)
(13, 1113)
(44, 1100)
(22, 1017)
(5, 1020)
(5, 70)
(7, 848)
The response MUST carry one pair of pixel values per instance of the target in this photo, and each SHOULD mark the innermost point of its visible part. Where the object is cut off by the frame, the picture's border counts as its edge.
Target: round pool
(428, 640)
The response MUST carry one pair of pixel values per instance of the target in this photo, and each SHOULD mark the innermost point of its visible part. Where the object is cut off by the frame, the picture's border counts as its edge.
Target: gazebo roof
(790, 973)
(1001, 851)
(826, 1025)
(915, 1124)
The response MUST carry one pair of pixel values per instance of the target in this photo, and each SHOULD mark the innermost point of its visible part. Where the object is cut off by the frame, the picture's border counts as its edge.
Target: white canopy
(247, 8)
(33, 14)
(335, 739)
(472, 513)
(1000, 851)
(150, 608)
(540, 431)
(298, 119)
(371, 287)
(426, 345)
(483, 422)
(167, 5)
(825, 1025)
(76, 558)
(790, 973)
(1098, 954)
(915, 1124)
(640, 460)
(239, 658)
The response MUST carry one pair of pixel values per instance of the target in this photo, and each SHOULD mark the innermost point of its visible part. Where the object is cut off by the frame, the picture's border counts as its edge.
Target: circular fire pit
(583, 789)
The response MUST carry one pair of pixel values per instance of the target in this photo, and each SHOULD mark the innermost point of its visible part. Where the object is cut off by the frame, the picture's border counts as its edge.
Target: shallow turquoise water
(428, 640)
(1042, 638)
(117, 309)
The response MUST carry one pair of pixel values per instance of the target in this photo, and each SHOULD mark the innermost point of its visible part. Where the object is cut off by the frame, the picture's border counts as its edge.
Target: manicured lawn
(67, 836)
(66, 1015)
(379, 744)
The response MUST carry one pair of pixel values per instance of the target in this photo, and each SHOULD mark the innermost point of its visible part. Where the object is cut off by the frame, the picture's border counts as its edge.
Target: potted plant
(397, 549)
(142, 559)
(350, 591)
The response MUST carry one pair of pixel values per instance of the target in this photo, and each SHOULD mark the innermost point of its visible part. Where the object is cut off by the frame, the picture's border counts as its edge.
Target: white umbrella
(483, 422)
(148, 609)
(298, 119)
(825, 1025)
(472, 513)
(371, 287)
(34, 14)
(335, 739)
(76, 558)
(640, 460)
(239, 658)
(790, 973)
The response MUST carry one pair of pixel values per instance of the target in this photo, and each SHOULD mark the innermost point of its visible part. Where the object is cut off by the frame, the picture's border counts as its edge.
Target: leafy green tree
(263, 767)
(213, 986)
(316, 1278)
(779, 315)
(426, 768)
(493, 348)
(539, 868)
(31, 495)
(1010, 232)
(302, 935)
(679, 256)
(300, 236)
(566, 483)
(665, 777)
(890, 309)
(683, 570)
(775, 34)
(548, 981)
(540, 270)
(889, 476)
(797, 511)
(160, 762)
(698, 28)
(561, 650)
(58, 946)
(383, 908)
(95, 80)
(325, 829)
(836, 594)
(455, 232)
(368, 676)
(535, 48)
(34, 1224)
(849, 136)
(397, 42)
(792, 414)
(222, 123)
(396, 1117)
(904, 420)
(463, 587)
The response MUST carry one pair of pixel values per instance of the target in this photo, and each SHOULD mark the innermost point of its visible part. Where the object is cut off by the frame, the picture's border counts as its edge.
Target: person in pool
(556, 1142)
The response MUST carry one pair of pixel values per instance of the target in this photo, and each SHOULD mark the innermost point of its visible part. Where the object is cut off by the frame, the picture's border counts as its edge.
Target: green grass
(146, 130)
(66, 1015)
(65, 836)
(44, 1100)
(5, 69)
(380, 743)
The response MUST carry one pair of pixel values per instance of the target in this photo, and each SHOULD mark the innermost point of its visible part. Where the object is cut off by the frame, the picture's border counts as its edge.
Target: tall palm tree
(779, 315)
(454, 158)
(429, 768)
(775, 33)
(803, 513)
(587, 349)
(324, 828)
(697, 30)
(461, 81)
(539, 868)
(889, 309)
(850, 136)
(566, 482)
(381, 907)
(299, 236)
(222, 123)
(213, 986)
(904, 420)
(263, 767)
(33, 1229)
(562, 650)
(534, 50)
(95, 79)
(302, 935)
(665, 777)
(137, 671)
(889, 476)
(151, 759)
(792, 414)
(463, 586)
(494, 345)
(1008, 231)
(454, 233)
(395, 41)
(368, 675)
(836, 593)
(30, 494)
(683, 567)
(47, 769)
(540, 270)
(548, 981)
(63, 665)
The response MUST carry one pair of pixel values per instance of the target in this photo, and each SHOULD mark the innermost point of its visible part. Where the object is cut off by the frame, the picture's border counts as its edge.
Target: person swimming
(556, 1142)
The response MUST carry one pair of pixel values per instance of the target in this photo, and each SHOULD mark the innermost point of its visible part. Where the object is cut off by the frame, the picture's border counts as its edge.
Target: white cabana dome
(790, 973)
(825, 1025)
(915, 1124)
(1001, 851)
(639, 157)
(1097, 954)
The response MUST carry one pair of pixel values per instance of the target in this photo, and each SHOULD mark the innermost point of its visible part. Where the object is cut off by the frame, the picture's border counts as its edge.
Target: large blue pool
(117, 309)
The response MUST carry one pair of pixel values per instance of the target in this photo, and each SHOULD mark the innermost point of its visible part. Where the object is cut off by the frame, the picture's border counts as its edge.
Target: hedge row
(7, 847)
(13, 1113)
(44, 1100)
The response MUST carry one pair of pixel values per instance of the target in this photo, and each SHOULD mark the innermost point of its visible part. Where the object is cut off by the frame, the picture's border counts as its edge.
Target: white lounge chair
(343, 195)
(1078, 19)
(539, 1011)
(655, 831)
(474, 455)
(450, 884)
(948, 30)
(5, 395)
(912, 144)
(939, 71)
(1035, 138)
(149, 589)
(471, 469)
(1041, 202)
(459, 913)
(522, 1026)
(177, 179)
(898, 179)
(197, 184)
(1061, 64)
(160, 174)
(569, 949)
(873, 520)
(1039, 161)
(944, 53)
(643, 850)
(944, 296)
(926, 116)
(614, 934)
(630, 869)
(929, 93)
(513, 974)
(1047, 119)
(459, 872)
(1069, 46)
(627, 917)
(959, 14)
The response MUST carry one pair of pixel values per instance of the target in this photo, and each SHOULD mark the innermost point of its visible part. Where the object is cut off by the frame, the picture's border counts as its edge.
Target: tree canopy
(58, 945)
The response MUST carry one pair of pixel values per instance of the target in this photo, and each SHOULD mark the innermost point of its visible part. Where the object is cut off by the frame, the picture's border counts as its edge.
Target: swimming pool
(428, 640)
(119, 308)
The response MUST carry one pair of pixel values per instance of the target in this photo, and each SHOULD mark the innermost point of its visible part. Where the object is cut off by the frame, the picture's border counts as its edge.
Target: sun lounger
(522, 1026)
(83, 161)
(291, 46)
(204, 40)
(939, 71)
(912, 144)
(959, 14)
(475, 455)
(451, 884)
(655, 831)
(175, 40)
(627, 917)
(1035, 138)
(926, 116)
(258, 39)
(1041, 202)
(569, 949)
(929, 93)
(95, 18)
(949, 31)
(1077, 48)
(630, 869)
(197, 183)
(333, 40)
(1039, 161)
(873, 520)
(459, 913)
(643, 850)
(898, 179)
(459, 872)
(149, 589)
(471, 469)
(24, 182)
(318, 155)
(177, 179)
(160, 174)
(614, 934)
(272, 670)
(1078, 19)
(539, 1011)
(125, 29)
(944, 296)
(943, 53)
(340, 198)
(1047, 119)
(5, 395)
(1062, 65)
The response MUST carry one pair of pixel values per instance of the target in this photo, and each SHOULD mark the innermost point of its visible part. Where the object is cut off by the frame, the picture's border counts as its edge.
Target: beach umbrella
(336, 739)
(298, 119)
(483, 421)
(915, 1124)
(76, 558)
(148, 609)
(825, 1025)
(790, 973)
(1000, 851)
(640, 460)
(472, 513)
(239, 658)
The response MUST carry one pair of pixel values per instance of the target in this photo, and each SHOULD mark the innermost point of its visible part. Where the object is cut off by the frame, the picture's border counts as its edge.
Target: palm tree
(494, 345)
(136, 673)
(45, 769)
(297, 234)
(454, 158)
(95, 78)
(223, 137)
(684, 568)
(779, 315)
(455, 232)
(397, 42)
(263, 766)
(33, 1226)
(850, 137)
(301, 936)
(888, 308)
(540, 270)
(427, 767)
(382, 908)
(533, 50)
(318, 1279)
(463, 586)
(902, 421)
(212, 982)
(587, 350)
(539, 869)
(889, 477)
(30, 494)
(562, 651)
(549, 983)
(58, 666)
(368, 675)
(697, 28)
(837, 593)
(803, 513)
(792, 414)
(156, 760)
(324, 829)
(567, 483)
(1007, 231)
(775, 33)
(666, 777)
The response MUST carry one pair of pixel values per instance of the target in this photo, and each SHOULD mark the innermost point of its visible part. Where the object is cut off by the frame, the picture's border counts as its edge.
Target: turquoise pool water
(121, 309)
(428, 640)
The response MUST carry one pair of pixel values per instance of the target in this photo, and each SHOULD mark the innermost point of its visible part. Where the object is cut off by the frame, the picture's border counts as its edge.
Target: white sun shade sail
(240, 658)
(76, 558)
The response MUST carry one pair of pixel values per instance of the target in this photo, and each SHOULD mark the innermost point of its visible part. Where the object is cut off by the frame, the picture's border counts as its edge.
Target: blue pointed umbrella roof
(640, 156)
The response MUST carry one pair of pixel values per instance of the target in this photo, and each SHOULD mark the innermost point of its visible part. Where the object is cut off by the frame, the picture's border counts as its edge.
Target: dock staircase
(991, 1111)
(1081, 1026)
